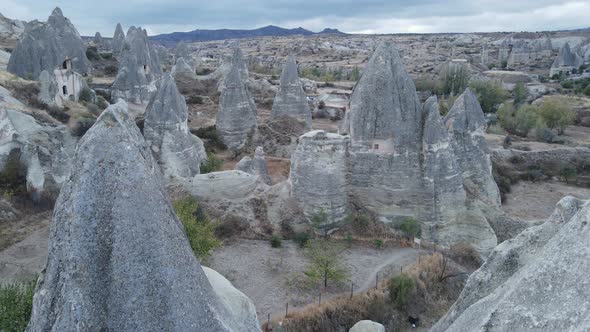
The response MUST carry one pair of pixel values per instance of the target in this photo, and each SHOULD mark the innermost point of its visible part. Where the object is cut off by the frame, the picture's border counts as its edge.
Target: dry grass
(438, 282)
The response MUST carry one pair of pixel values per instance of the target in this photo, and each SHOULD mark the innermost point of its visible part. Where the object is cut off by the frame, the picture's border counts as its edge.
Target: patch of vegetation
(86, 95)
(319, 220)
(92, 54)
(195, 100)
(359, 222)
(16, 304)
(520, 121)
(567, 173)
(211, 137)
(400, 288)
(411, 228)
(520, 93)
(302, 239)
(231, 226)
(199, 229)
(101, 102)
(556, 115)
(276, 241)
(13, 178)
(378, 244)
(453, 80)
(325, 262)
(111, 70)
(82, 125)
(490, 94)
(213, 164)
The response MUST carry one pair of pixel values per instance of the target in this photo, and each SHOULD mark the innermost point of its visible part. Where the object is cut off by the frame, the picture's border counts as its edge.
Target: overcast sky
(358, 16)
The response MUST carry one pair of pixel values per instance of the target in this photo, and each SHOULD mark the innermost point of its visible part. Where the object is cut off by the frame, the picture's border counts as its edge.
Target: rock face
(178, 152)
(118, 39)
(44, 149)
(49, 90)
(236, 117)
(255, 166)
(11, 29)
(467, 125)
(536, 281)
(182, 68)
(117, 252)
(319, 174)
(401, 160)
(46, 46)
(367, 326)
(290, 99)
(565, 61)
(138, 70)
(236, 60)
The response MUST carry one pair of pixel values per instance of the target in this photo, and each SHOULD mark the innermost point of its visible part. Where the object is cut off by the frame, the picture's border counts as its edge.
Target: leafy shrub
(16, 303)
(359, 222)
(545, 134)
(82, 126)
(211, 137)
(194, 100)
(520, 94)
(101, 102)
(58, 114)
(400, 288)
(276, 241)
(567, 84)
(319, 220)
(378, 243)
(556, 115)
(13, 178)
(490, 94)
(199, 229)
(410, 227)
(519, 122)
(302, 239)
(93, 108)
(567, 173)
(86, 95)
(453, 79)
(213, 164)
(92, 54)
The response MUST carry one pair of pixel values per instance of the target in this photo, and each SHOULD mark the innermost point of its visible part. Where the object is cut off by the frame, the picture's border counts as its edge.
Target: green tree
(490, 94)
(325, 262)
(520, 94)
(199, 229)
(410, 227)
(556, 115)
(400, 288)
(518, 122)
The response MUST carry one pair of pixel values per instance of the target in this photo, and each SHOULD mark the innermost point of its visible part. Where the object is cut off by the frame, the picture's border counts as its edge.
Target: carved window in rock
(65, 90)
(67, 64)
(376, 146)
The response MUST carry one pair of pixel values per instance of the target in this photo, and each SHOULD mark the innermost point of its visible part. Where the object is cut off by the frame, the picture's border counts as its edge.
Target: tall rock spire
(290, 100)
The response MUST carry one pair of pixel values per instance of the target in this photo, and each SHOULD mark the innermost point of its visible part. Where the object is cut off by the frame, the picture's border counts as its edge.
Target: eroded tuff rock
(319, 174)
(236, 60)
(45, 149)
(467, 125)
(236, 117)
(255, 166)
(46, 46)
(138, 70)
(537, 281)
(118, 39)
(290, 99)
(178, 152)
(452, 220)
(49, 90)
(566, 60)
(118, 256)
(367, 326)
(183, 68)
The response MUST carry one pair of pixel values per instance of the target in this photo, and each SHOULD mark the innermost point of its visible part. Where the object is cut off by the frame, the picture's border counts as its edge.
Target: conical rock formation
(290, 99)
(118, 257)
(255, 166)
(118, 39)
(166, 132)
(47, 46)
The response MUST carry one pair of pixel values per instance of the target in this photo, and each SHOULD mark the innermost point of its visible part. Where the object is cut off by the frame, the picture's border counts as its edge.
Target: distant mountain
(170, 39)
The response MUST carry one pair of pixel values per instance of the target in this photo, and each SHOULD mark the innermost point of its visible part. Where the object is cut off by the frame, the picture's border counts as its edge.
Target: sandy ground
(269, 275)
(536, 200)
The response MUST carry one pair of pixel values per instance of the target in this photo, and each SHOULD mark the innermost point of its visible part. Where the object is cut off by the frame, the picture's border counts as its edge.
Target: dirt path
(271, 277)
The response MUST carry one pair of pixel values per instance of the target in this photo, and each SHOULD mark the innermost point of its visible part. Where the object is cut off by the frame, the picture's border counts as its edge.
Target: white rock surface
(367, 326)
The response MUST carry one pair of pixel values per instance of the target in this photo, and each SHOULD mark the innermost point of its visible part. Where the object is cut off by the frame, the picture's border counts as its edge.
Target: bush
(101, 102)
(16, 303)
(520, 94)
(93, 108)
(231, 226)
(276, 241)
(490, 94)
(302, 239)
(211, 137)
(199, 229)
(453, 79)
(545, 134)
(359, 222)
(587, 91)
(111, 70)
(519, 122)
(86, 95)
(556, 115)
(92, 54)
(58, 114)
(319, 220)
(13, 178)
(194, 100)
(567, 173)
(567, 84)
(213, 164)
(410, 227)
(400, 288)
(82, 126)
(378, 243)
